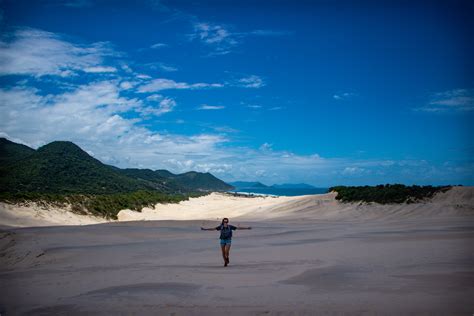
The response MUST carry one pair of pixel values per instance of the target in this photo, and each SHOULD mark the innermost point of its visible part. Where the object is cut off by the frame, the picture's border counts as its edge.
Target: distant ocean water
(283, 192)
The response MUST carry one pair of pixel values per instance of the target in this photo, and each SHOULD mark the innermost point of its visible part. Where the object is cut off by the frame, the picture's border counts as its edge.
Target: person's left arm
(241, 227)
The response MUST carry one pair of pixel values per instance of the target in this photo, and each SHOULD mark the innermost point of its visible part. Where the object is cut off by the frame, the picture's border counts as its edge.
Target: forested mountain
(11, 152)
(63, 167)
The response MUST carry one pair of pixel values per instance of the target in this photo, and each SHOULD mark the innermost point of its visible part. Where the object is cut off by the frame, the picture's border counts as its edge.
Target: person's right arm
(202, 228)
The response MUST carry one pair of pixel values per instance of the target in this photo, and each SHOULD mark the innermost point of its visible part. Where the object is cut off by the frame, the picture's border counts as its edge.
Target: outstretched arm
(240, 227)
(202, 228)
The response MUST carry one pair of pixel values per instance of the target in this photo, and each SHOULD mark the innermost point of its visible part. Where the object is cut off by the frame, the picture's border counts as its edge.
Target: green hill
(11, 152)
(62, 167)
(196, 181)
(154, 178)
(165, 173)
(185, 182)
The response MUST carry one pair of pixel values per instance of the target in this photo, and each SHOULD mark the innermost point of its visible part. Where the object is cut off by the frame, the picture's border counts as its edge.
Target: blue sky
(322, 92)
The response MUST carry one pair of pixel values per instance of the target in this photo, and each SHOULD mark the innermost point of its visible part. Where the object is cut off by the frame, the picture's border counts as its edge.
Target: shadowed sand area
(286, 266)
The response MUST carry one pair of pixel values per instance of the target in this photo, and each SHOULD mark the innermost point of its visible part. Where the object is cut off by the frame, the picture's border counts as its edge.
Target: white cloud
(166, 105)
(38, 53)
(344, 96)
(189, 164)
(221, 39)
(168, 68)
(266, 147)
(160, 84)
(269, 33)
(252, 81)
(276, 108)
(211, 107)
(457, 100)
(167, 84)
(125, 85)
(352, 170)
(92, 116)
(158, 45)
(90, 110)
(224, 129)
(143, 76)
(216, 35)
(126, 68)
(155, 97)
(161, 66)
(99, 69)
(260, 173)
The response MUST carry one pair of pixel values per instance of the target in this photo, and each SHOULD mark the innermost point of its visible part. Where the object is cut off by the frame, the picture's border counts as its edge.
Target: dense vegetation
(195, 181)
(11, 152)
(63, 167)
(105, 205)
(386, 194)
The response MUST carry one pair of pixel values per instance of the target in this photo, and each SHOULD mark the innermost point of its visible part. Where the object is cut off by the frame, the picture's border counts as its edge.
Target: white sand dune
(457, 201)
(34, 214)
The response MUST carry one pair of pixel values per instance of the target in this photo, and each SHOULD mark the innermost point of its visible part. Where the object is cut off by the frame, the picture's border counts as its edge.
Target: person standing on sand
(225, 237)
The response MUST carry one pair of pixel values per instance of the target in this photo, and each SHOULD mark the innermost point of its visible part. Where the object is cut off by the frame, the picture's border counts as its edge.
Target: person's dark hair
(224, 219)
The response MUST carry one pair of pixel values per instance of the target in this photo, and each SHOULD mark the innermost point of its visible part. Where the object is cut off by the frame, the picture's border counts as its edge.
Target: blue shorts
(226, 241)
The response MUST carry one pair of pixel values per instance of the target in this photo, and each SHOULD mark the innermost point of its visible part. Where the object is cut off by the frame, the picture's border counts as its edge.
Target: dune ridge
(458, 201)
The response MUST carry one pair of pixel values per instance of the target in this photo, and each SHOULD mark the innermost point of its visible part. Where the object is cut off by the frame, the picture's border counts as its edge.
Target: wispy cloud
(125, 85)
(216, 36)
(211, 107)
(143, 76)
(158, 45)
(165, 105)
(168, 84)
(266, 147)
(38, 53)
(276, 108)
(269, 33)
(344, 96)
(457, 100)
(352, 170)
(225, 129)
(92, 116)
(161, 66)
(252, 81)
(221, 39)
(100, 69)
(160, 84)
(77, 3)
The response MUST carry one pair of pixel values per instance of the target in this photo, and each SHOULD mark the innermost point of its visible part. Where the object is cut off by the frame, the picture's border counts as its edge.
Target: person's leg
(227, 252)
(223, 251)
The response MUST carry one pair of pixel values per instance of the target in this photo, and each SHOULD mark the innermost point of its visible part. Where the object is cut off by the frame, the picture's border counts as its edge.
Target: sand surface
(35, 214)
(407, 261)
